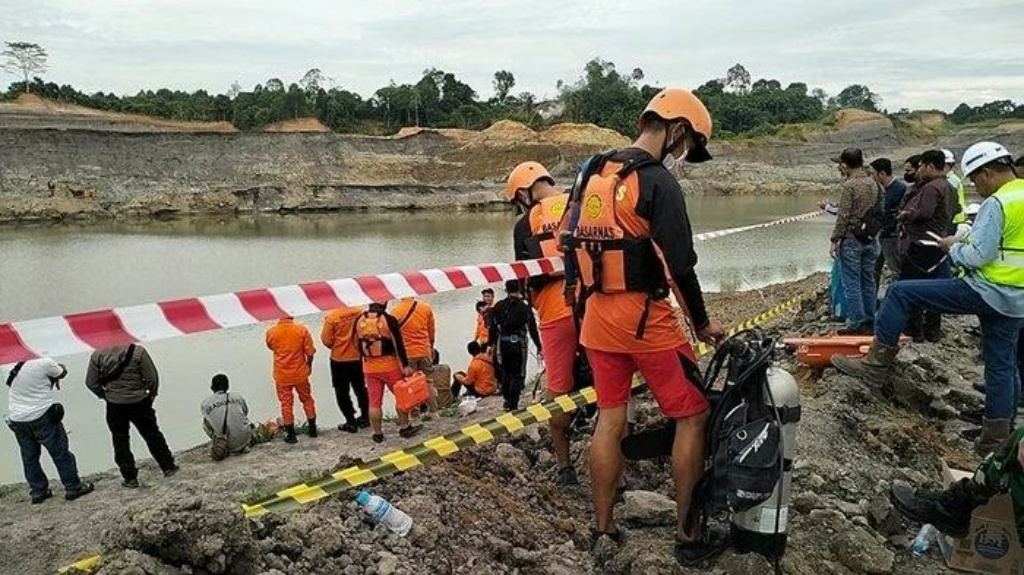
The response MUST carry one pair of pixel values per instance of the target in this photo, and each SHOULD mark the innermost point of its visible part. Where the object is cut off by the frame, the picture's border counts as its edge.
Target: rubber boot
(932, 327)
(948, 510)
(994, 432)
(915, 327)
(311, 427)
(874, 368)
(289, 434)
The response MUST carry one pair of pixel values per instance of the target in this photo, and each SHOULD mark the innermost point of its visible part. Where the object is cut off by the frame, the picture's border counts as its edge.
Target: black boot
(915, 327)
(949, 510)
(311, 427)
(932, 327)
(363, 421)
(289, 434)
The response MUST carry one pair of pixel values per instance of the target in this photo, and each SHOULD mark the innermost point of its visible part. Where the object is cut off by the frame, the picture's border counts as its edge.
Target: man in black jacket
(126, 379)
(510, 319)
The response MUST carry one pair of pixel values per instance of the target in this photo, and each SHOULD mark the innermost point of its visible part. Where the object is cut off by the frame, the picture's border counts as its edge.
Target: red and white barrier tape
(717, 234)
(83, 332)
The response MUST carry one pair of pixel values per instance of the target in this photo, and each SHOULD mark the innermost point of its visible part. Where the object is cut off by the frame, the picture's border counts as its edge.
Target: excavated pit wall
(106, 171)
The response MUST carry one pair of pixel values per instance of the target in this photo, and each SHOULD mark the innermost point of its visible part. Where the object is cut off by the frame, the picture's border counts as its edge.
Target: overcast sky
(915, 54)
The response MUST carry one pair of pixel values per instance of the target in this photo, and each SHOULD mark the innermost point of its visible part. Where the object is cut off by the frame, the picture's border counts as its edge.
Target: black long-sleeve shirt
(512, 316)
(662, 204)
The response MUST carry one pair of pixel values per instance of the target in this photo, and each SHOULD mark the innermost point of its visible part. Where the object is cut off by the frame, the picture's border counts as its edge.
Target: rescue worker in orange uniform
(482, 331)
(479, 378)
(531, 187)
(293, 362)
(346, 366)
(627, 228)
(416, 322)
(385, 363)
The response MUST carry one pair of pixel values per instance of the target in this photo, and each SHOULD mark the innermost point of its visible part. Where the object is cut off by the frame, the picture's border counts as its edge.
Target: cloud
(914, 54)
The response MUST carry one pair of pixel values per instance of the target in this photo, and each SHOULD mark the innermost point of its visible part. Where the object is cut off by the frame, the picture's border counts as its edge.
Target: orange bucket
(411, 392)
(817, 352)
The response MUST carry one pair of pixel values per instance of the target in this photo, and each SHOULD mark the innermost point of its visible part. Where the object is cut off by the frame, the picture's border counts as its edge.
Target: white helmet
(950, 158)
(982, 153)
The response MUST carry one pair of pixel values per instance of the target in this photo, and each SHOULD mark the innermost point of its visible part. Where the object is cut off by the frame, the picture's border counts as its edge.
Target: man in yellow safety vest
(960, 216)
(993, 289)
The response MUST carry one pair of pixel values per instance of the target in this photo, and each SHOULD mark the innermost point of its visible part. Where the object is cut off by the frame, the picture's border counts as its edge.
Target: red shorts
(676, 395)
(376, 382)
(559, 341)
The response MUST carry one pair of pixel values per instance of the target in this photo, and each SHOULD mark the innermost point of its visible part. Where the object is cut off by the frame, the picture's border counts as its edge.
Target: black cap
(699, 153)
(852, 157)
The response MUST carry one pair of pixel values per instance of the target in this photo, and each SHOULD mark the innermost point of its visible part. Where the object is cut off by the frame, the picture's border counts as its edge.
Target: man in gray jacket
(226, 415)
(126, 379)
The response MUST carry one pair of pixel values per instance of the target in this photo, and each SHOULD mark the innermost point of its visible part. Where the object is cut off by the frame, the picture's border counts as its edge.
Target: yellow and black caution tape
(445, 445)
(86, 565)
(442, 446)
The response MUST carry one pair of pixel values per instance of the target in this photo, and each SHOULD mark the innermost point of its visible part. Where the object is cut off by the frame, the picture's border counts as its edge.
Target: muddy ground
(495, 508)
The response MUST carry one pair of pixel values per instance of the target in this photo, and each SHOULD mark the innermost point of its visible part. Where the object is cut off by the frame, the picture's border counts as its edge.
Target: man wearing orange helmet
(532, 188)
(631, 241)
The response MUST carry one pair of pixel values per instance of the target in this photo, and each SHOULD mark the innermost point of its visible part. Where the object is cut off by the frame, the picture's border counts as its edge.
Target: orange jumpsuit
(293, 352)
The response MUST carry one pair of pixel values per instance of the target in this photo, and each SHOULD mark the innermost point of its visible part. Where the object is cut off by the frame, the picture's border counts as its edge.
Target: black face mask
(909, 178)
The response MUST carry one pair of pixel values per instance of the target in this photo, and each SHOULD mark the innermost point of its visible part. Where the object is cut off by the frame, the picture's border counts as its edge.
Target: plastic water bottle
(380, 511)
(923, 541)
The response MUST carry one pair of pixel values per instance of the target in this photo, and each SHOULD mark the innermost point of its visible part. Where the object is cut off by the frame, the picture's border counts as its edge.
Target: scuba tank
(763, 528)
(750, 444)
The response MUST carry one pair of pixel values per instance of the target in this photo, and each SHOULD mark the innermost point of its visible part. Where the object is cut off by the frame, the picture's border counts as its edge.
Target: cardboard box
(992, 545)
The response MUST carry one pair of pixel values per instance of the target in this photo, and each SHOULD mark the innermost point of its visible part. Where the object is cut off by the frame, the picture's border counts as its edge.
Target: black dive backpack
(744, 431)
(744, 448)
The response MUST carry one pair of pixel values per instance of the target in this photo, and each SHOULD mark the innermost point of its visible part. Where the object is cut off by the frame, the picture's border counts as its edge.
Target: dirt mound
(457, 134)
(932, 119)
(851, 117)
(509, 130)
(586, 135)
(35, 105)
(297, 125)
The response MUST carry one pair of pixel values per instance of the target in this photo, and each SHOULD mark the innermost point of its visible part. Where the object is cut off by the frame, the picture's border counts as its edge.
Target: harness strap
(119, 369)
(14, 372)
(642, 325)
(408, 315)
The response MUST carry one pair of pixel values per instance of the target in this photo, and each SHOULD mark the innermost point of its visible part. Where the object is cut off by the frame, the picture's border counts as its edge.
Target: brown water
(51, 270)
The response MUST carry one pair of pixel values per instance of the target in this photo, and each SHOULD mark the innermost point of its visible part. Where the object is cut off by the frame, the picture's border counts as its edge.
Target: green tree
(604, 97)
(24, 58)
(504, 81)
(856, 96)
(737, 79)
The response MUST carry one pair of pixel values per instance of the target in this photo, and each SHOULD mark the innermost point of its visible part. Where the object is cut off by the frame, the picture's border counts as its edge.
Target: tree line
(602, 95)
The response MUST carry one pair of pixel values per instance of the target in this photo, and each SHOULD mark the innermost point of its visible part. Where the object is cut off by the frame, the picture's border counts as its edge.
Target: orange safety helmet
(524, 176)
(679, 104)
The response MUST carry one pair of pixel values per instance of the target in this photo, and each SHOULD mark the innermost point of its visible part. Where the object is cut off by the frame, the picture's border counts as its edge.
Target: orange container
(817, 352)
(411, 392)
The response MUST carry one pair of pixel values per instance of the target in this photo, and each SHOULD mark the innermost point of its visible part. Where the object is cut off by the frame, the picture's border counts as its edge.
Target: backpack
(743, 435)
(220, 448)
(744, 432)
(871, 222)
(373, 335)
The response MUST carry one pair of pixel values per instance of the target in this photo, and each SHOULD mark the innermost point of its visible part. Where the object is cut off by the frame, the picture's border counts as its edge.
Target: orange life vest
(545, 219)
(611, 260)
(374, 335)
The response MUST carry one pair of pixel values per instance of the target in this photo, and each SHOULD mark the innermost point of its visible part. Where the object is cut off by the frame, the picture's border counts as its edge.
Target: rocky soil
(495, 508)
